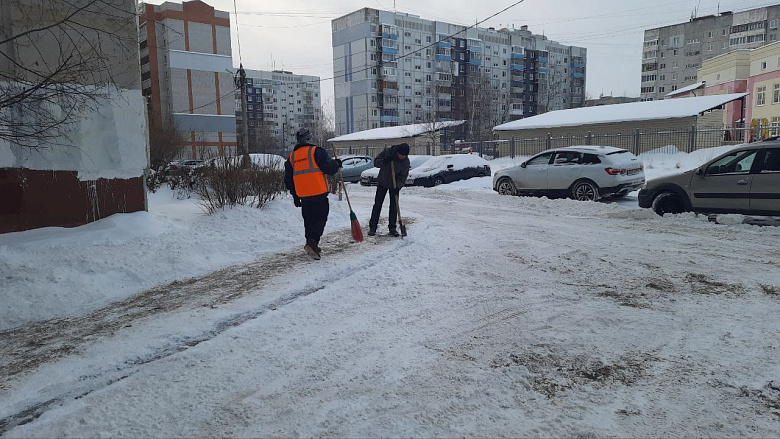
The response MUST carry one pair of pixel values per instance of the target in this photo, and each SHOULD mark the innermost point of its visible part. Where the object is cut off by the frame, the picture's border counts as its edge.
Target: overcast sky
(296, 34)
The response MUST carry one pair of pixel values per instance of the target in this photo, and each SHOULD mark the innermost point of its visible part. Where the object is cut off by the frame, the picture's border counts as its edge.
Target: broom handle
(341, 179)
(397, 207)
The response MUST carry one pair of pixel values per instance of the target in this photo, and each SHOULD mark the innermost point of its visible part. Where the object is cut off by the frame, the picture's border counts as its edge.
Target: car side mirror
(522, 165)
(450, 167)
(700, 171)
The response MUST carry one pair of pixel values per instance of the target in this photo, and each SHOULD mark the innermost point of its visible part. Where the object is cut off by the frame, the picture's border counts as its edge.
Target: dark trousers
(379, 199)
(315, 214)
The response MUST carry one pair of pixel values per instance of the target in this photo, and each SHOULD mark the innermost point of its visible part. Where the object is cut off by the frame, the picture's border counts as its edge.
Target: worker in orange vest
(304, 177)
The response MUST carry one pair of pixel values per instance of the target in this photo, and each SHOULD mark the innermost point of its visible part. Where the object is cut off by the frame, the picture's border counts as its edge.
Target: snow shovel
(397, 206)
(357, 231)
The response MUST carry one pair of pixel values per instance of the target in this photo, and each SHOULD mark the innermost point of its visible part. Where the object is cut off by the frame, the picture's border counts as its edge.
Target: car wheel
(438, 181)
(668, 202)
(585, 191)
(506, 187)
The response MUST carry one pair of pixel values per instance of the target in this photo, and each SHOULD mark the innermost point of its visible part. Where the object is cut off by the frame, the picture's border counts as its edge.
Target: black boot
(394, 233)
(371, 231)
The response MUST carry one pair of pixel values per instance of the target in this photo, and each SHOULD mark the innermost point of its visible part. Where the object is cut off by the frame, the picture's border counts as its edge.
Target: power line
(425, 47)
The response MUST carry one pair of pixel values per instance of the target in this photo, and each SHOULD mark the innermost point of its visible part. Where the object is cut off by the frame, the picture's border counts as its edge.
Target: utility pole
(244, 145)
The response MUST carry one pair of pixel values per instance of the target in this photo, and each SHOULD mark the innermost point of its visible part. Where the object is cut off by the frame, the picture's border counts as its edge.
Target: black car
(448, 168)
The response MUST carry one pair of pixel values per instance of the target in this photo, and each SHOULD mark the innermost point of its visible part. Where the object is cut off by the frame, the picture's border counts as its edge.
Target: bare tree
(58, 59)
(552, 90)
(166, 142)
(325, 128)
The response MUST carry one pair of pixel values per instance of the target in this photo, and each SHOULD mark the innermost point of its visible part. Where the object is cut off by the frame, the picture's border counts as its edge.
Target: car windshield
(434, 162)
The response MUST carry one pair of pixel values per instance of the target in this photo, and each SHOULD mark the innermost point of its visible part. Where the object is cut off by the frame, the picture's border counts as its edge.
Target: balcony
(447, 58)
(542, 70)
(516, 112)
(388, 119)
(543, 60)
(578, 65)
(390, 50)
(518, 67)
(475, 62)
(577, 75)
(475, 49)
(518, 55)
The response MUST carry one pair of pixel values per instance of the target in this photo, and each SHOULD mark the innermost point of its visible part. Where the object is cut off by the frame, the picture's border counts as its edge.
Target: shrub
(230, 181)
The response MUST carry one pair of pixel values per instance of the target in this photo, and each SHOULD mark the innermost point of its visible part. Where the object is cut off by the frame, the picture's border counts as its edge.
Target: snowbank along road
(496, 316)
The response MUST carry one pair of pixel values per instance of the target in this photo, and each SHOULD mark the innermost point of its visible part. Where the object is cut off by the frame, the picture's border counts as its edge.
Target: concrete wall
(96, 168)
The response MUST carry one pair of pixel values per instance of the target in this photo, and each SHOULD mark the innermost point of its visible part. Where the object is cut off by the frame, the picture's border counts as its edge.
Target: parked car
(744, 180)
(370, 176)
(584, 173)
(179, 167)
(272, 161)
(448, 168)
(353, 165)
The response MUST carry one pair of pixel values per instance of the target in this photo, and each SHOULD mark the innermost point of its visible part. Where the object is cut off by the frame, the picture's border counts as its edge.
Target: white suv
(584, 173)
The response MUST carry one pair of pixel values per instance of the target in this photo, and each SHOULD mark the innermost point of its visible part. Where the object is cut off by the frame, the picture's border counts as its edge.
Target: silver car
(584, 173)
(744, 180)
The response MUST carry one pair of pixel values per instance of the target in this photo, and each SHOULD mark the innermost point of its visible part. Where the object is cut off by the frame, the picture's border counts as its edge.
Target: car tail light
(615, 171)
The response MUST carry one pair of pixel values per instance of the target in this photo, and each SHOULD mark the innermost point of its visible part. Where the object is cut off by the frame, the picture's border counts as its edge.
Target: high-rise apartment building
(672, 54)
(186, 72)
(399, 69)
(278, 104)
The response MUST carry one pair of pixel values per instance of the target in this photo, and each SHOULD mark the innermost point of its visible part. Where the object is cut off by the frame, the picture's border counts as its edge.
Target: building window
(710, 34)
(760, 96)
(774, 126)
(709, 47)
(763, 65)
(776, 94)
(773, 24)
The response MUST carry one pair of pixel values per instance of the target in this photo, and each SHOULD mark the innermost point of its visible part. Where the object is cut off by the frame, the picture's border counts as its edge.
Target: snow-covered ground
(496, 316)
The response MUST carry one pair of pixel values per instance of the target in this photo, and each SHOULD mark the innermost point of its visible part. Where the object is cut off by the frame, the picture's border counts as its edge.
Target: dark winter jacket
(385, 178)
(323, 160)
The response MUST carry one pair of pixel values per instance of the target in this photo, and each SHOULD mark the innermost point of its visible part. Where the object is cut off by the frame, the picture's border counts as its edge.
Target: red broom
(357, 231)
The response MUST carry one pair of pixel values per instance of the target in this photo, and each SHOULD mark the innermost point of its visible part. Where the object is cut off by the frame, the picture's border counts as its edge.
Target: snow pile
(399, 132)
(633, 111)
(54, 271)
(658, 164)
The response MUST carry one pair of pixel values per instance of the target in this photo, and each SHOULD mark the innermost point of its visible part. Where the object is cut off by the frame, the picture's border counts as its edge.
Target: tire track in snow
(26, 348)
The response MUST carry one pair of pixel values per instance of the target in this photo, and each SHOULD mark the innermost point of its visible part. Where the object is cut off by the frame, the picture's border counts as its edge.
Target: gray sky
(296, 34)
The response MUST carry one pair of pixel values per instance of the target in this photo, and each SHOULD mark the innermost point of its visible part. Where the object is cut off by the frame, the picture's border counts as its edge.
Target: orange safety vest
(307, 176)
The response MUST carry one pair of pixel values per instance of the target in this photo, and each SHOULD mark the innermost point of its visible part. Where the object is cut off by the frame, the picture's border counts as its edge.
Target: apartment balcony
(516, 112)
(475, 62)
(443, 45)
(577, 75)
(518, 67)
(390, 50)
(388, 119)
(475, 49)
(578, 65)
(447, 58)
(543, 60)
(542, 70)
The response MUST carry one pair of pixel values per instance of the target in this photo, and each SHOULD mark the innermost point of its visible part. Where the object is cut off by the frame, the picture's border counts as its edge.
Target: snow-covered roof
(398, 132)
(691, 87)
(633, 111)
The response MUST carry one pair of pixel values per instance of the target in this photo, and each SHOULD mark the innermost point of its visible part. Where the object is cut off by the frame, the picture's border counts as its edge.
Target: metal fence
(638, 142)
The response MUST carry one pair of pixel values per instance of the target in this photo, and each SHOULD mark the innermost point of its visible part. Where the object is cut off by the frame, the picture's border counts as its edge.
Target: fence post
(549, 141)
(692, 141)
(512, 148)
(350, 149)
(637, 141)
(590, 138)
